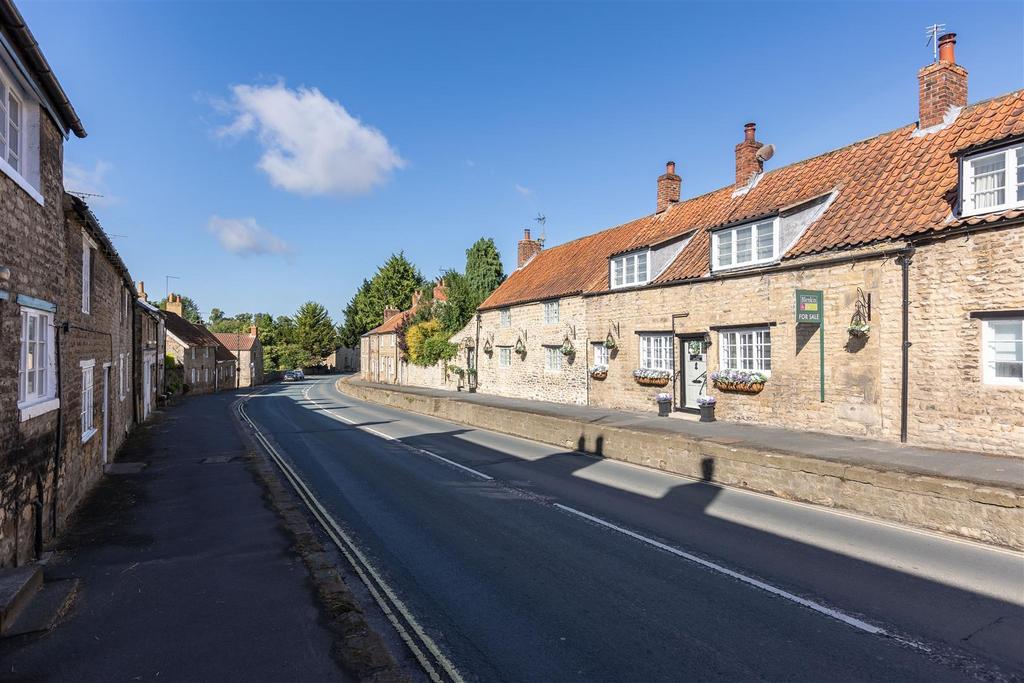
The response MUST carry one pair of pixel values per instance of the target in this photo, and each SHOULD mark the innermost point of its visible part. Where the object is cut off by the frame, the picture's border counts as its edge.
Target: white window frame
(88, 396)
(553, 359)
(729, 235)
(656, 351)
(43, 398)
(740, 340)
(193, 353)
(506, 317)
(87, 246)
(619, 269)
(552, 310)
(988, 362)
(600, 353)
(504, 357)
(1013, 176)
(195, 376)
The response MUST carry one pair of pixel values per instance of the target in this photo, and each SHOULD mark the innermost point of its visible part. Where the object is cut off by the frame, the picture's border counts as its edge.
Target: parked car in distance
(289, 376)
(299, 374)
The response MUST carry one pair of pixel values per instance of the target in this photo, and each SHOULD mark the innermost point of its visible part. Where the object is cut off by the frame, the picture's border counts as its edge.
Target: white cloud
(470, 163)
(245, 237)
(89, 182)
(525, 191)
(311, 144)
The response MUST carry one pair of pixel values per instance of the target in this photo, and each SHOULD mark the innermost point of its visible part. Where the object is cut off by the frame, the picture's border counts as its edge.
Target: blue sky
(271, 153)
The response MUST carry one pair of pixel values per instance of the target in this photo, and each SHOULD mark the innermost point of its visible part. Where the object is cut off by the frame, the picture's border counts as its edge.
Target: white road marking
(382, 435)
(810, 604)
(373, 580)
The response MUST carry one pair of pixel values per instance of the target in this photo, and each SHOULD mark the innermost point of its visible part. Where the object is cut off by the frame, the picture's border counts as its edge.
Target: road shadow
(678, 512)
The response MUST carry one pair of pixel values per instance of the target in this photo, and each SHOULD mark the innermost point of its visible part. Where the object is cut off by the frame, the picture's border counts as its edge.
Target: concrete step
(46, 608)
(17, 588)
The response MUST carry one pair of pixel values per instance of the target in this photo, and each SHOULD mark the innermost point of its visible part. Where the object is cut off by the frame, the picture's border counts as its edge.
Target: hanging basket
(609, 342)
(652, 381)
(599, 374)
(738, 387)
(520, 347)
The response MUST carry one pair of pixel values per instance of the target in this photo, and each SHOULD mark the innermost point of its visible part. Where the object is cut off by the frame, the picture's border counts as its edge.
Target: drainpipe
(905, 260)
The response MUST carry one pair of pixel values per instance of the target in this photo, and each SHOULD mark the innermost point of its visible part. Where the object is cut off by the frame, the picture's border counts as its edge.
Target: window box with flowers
(599, 371)
(648, 377)
(742, 381)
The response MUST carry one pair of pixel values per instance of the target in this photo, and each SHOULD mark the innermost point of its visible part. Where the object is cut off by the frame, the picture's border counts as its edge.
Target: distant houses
(247, 350)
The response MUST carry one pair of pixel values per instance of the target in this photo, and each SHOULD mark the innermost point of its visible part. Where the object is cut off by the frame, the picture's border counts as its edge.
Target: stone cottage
(151, 352)
(248, 351)
(381, 358)
(875, 290)
(207, 365)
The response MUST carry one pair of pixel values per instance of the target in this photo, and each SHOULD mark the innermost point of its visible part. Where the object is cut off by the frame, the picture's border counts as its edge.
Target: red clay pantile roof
(236, 341)
(887, 187)
(394, 322)
(195, 335)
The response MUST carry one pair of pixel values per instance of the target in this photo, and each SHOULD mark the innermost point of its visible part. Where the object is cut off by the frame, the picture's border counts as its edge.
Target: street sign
(810, 305)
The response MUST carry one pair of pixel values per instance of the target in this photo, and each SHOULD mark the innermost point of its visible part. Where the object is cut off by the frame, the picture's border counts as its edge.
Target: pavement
(186, 573)
(522, 561)
(979, 468)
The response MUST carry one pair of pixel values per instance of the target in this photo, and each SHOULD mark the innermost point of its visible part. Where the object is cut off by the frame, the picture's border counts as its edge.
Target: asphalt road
(523, 562)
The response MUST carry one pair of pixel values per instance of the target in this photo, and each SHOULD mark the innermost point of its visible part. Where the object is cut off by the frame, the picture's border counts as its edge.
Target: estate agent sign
(810, 309)
(809, 306)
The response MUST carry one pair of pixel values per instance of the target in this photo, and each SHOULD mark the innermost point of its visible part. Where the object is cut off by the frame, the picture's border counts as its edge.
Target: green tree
(391, 287)
(216, 316)
(458, 310)
(484, 271)
(314, 331)
(189, 310)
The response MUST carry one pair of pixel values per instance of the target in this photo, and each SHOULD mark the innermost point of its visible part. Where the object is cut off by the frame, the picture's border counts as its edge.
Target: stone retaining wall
(961, 508)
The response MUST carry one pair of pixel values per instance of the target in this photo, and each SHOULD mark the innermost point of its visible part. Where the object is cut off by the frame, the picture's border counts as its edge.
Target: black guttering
(11, 19)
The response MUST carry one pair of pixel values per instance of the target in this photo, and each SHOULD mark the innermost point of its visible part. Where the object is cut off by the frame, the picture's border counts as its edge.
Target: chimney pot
(670, 167)
(526, 233)
(749, 130)
(947, 48)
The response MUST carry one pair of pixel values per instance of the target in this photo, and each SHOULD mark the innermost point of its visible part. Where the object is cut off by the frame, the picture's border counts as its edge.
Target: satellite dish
(765, 152)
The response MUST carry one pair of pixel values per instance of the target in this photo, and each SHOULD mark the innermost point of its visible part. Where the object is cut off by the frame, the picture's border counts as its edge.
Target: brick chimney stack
(528, 248)
(942, 85)
(142, 291)
(173, 304)
(390, 313)
(254, 331)
(669, 185)
(747, 163)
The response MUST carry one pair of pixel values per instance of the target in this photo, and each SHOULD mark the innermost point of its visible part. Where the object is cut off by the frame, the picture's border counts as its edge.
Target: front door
(694, 376)
(147, 368)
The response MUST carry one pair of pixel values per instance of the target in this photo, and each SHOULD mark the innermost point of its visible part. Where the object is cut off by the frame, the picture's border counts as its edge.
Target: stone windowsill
(40, 408)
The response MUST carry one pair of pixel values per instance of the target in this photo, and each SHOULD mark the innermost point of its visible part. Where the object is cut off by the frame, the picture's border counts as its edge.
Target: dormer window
(746, 245)
(630, 270)
(993, 181)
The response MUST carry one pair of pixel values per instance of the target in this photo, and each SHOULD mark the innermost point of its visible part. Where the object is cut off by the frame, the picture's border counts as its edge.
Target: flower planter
(753, 388)
(599, 375)
(652, 381)
(664, 407)
(707, 413)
